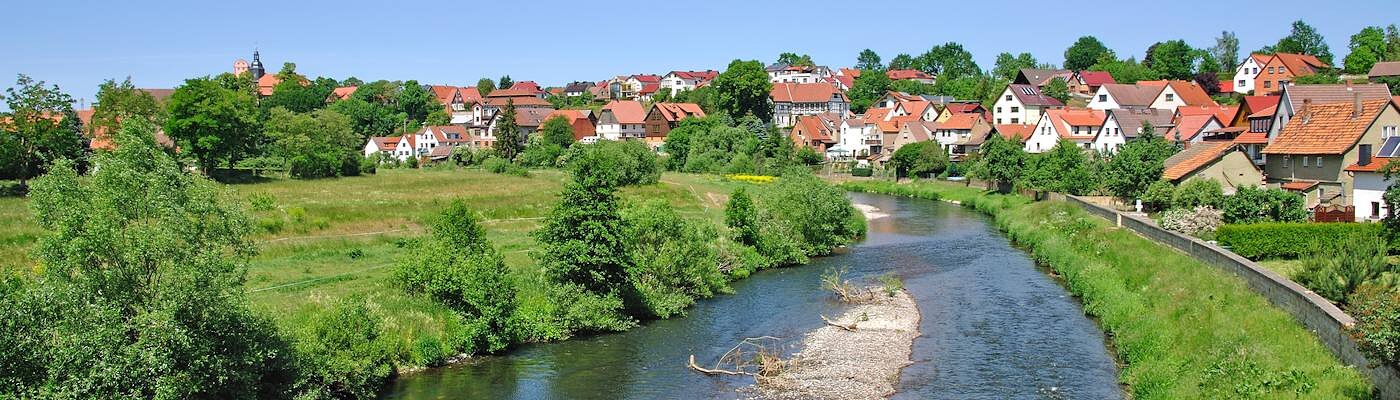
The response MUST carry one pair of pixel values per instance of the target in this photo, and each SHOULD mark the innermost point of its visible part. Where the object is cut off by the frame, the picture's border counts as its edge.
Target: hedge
(862, 171)
(1286, 239)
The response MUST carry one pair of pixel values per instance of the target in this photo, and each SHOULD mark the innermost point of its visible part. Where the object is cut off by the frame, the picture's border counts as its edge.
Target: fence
(1334, 213)
(1317, 314)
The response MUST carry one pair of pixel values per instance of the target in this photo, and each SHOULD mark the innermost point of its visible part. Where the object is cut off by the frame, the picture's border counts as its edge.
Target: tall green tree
(215, 120)
(902, 61)
(298, 94)
(1136, 165)
(117, 102)
(1007, 65)
(142, 289)
(582, 241)
(1173, 59)
(417, 102)
(867, 89)
(557, 131)
(40, 128)
(923, 159)
(741, 217)
(948, 61)
(1304, 39)
(742, 89)
(1124, 71)
(1000, 160)
(868, 60)
(510, 140)
(317, 144)
(369, 119)
(1085, 51)
(1367, 47)
(1226, 52)
(505, 83)
(485, 86)
(796, 59)
(1057, 89)
(1065, 168)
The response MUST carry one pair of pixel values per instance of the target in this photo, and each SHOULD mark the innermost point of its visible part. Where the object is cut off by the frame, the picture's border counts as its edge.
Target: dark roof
(577, 87)
(1385, 68)
(1031, 96)
(1130, 120)
(1133, 95)
(1040, 77)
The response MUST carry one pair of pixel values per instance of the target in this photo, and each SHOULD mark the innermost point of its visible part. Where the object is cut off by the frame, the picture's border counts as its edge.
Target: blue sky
(77, 44)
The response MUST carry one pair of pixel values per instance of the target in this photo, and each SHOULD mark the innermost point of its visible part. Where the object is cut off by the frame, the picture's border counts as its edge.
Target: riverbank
(857, 356)
(1180, 328)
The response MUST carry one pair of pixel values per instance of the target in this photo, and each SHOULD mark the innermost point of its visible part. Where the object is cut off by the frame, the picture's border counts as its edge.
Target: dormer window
(1171, 96)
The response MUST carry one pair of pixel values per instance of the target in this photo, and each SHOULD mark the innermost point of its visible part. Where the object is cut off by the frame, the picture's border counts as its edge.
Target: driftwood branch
(849, 328)
(708, 371)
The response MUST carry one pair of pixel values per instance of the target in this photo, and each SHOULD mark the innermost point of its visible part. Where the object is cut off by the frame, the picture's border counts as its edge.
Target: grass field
(330, 239)
(1181, 328)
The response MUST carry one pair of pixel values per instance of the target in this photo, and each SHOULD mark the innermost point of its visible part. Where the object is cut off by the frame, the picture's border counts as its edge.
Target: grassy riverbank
(1181, 328)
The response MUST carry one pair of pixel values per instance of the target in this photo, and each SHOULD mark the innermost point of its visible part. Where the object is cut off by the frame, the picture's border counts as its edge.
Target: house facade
(1122, 125)
(1022, 104)
(1077, 125)
(1247, 71)
(1369, 185)
(1283, 68)
(663, 117)
(792, 100)
(1220, 161)
(1310, 154)
(622, 119)
(1114, 96)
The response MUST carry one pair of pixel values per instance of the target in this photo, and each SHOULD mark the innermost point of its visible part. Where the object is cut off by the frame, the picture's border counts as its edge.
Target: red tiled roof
(526, 86)
(645, 78)
(1267, 112)
(1096, 78)
(512, 93)
(1300, 64)
(649, 88)
(1259, 103)
(1193, 158)
(1191, 93)
(901, 74)
(1226, 86)
(627, 111)
(1015, 131)
(1299, 186)
(821, 92)
(1377, 163)
(960, 121)
(583, 127)
(673, 112)
(527, 101)
(1326, 128)
(1190, 126)
(815, 127)
(1252, 138)
(343, 92)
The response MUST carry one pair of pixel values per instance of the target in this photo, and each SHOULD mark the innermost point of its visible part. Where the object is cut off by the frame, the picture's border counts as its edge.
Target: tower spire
(256, 68)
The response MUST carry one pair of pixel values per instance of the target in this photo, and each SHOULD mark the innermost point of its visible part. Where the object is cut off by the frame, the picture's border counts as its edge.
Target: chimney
(1355, 105)
(1304, 112)
(1364, 158)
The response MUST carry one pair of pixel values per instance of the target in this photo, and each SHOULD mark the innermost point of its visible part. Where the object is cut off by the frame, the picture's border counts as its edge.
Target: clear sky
(77, 44)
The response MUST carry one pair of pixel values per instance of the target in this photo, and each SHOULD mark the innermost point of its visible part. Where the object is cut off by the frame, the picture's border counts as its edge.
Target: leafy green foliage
(742, 89)
(298, 94)
(1226, 52)
(215, 120)
(583, 240)
(808, 156)
(741, 217)
(1086, 51)
(505, 82)
(1377, 329)
(343, 352)
(485, 86)
(318, 144)
(1287, 239)
(673, 262)
(39, 129)
(1199, 192)
(1252, 204)
(1304, 39)
(868, 61)
(1124, 71)
(924, 159)
(1065, 168)
(1158, 196)
(1334, 269)
(795, 59)
(1367, 47)
(1057, 89)
(141, 295)
(902, 61)
(948, 61)
(868, 88)
(1136, 165)
(1001, 160)
(614, 164)
(818, 213)
(1172, 59)
(459, 268)
(117, 102)
(1007, 65)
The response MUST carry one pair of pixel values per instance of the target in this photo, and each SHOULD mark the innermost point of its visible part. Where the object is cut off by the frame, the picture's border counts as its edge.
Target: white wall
(1367, 188)
(1110, 136)
(1043, 138)
(1001, 111)
(1102, 100)
(1245, 74)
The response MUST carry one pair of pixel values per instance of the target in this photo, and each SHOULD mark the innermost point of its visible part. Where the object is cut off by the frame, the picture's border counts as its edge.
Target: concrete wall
(1315, 313)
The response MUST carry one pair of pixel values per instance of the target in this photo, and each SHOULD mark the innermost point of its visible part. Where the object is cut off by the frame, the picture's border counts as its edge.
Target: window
(1271, 70)
(1008, 97)
(1015, 109)
(1266, 84)
(1305, 162)
(1171, 96)
(1287, 161)
(1387, 131)
(1103, 97)
(1241, 82)
(1318, 163)
(1375, 209)
(998, 121)
(998, 109)
(1015, 120)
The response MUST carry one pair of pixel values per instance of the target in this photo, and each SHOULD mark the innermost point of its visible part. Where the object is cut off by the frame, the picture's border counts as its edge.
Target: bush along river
(993, 326)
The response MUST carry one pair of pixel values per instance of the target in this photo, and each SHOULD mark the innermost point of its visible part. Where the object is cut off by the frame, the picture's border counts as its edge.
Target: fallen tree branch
(708, 371)
(848, 328)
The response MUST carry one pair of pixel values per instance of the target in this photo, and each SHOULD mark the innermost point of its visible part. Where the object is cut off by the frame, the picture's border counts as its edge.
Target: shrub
(923, 159)
(12, 189)
(1194, 222)
(368, 165)
(738, 260)
(808, 156)
(1286, 239)
(540, 154)
(673, 262)
(262, 202)
(1251, 204)
(459, 268)
(495, 165)
(582, 310)
(582, 240)
(1334, 269)
(343, 353)
(614, 164)
(1158, 196)
(862, 171)
(1199, 192)
(891, 284)
(741, 217)
(1377, 329)
(817, 213)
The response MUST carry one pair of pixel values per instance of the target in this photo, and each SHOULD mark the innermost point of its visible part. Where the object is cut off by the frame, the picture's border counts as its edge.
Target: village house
(433, 142)
(1077, 125)
(581, 121)
(791, 100)
(1369, 183)
(1283, 68)
(1384, 69)
(1180, 94)
(962, 134)
(1221, 161)
(1041, 77)
(1121, 125)
(910, 132)
(1191, 128)
(529, 87)
(856, 138)
(663, 117)
(1022, 104)
(575, 89)
(819, 132)
(1257, 114)
(452, 101)
(1086, 83)
(783, 73)
(910, 75)
(962, 107)
(1292, 97)
(1019, 133)
(529, 119)
(1114, 96)
(341, 93)
(1247, 71)
(1309, 155)
(622, 119)
(680, 81)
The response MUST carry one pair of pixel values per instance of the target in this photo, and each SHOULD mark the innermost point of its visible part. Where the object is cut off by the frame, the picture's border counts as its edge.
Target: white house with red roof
(1077, 125)
(679, 81)
(1247, 71)
(791, 100)
(428, 141)
(622, 119)
(381, 144)
(783, 73)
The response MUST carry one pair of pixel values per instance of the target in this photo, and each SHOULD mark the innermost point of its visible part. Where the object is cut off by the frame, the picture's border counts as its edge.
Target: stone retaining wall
(1316, 313)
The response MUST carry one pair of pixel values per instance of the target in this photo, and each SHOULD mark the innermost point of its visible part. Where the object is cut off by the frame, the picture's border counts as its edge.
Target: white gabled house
(1122, 125)
(1078, 125)
(1022, 104)
(1247, 71)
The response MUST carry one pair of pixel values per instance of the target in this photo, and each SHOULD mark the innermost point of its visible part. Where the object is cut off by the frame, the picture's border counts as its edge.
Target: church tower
(256, 68)
(240, 67)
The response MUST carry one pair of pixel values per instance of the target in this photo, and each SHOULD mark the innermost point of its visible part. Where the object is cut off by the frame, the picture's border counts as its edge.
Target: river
(994, 326)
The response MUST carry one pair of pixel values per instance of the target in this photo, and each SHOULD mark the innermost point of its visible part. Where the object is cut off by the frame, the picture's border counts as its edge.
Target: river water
(994, 326)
